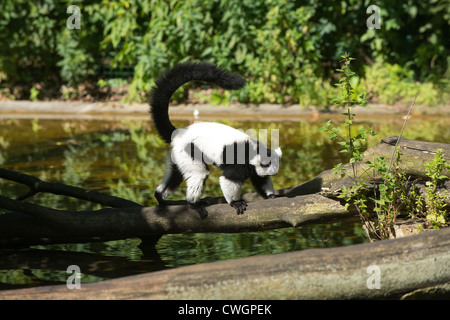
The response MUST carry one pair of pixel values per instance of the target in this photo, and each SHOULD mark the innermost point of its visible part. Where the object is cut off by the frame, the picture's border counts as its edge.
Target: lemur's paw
(239, 205)
(271, 196)
(200, 208)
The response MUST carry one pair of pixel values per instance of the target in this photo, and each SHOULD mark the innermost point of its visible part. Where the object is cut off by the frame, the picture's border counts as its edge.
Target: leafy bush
(390, 187)
(391, 83)
(287, 49)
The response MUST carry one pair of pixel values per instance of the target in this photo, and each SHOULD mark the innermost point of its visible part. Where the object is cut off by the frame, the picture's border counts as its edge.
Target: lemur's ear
(278, 152)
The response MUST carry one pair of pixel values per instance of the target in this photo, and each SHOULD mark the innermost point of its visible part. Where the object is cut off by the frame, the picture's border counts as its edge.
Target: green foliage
(287, 49)
(392, 83)
(349, 98)
(394, 193)
(352, 145)
(35, 127)
(410, 36)
(397, 194)
(436, 202)
(34, 94)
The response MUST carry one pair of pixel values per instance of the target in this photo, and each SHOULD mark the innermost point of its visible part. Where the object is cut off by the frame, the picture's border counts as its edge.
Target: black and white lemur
(236, 153)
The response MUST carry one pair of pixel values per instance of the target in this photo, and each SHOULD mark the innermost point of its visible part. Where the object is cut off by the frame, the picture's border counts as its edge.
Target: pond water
(126, 158)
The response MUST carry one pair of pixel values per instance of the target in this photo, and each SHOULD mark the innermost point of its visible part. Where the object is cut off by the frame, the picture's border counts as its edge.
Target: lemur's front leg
(232, 192)
(263, 185)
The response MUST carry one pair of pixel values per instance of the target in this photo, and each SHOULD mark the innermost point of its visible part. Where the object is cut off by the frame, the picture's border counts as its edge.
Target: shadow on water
(127, 159)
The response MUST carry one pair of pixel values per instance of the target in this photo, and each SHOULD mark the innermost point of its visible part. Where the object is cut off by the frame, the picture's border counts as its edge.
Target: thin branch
(28, 208)
(37, 185)
(401, 132)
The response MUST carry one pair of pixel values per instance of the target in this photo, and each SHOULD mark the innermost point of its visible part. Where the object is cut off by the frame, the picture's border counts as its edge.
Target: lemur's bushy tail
(174, 78)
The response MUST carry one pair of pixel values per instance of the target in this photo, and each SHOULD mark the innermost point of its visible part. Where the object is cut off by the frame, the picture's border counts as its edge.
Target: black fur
(258, 183)
(172, 79)
(239, 205)
(200, 208)
(175, 180)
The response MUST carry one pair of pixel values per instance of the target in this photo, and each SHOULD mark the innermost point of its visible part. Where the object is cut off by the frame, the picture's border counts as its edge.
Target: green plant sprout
(393, 192)
(436, 201)
(34, 93)
(348, 99)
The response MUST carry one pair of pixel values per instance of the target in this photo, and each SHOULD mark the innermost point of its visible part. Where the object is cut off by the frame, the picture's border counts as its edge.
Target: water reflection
(180, 250)
(46, 265)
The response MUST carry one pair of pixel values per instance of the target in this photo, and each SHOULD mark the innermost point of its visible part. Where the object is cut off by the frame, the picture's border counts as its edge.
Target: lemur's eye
(266, 165)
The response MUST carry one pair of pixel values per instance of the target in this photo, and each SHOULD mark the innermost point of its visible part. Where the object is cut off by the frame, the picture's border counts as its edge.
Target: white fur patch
(209, 138)
(231, 190)
(278, 152)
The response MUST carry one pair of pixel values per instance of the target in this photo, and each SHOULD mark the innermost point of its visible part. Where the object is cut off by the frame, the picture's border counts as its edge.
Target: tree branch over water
(37, 185)
(311, 201)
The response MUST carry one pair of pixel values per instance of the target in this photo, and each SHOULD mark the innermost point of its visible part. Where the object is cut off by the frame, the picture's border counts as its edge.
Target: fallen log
(415, 156)
(385, 269)
(55, 226)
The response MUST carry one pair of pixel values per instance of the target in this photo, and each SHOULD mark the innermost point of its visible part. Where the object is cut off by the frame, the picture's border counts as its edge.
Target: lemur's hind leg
(195, 184)
(172, 179)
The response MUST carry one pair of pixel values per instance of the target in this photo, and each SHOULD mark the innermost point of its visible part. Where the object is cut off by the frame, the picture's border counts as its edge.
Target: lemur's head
(267, 161)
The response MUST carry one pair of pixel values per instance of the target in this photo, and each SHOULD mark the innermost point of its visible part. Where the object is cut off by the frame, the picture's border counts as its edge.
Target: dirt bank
(27, 109)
